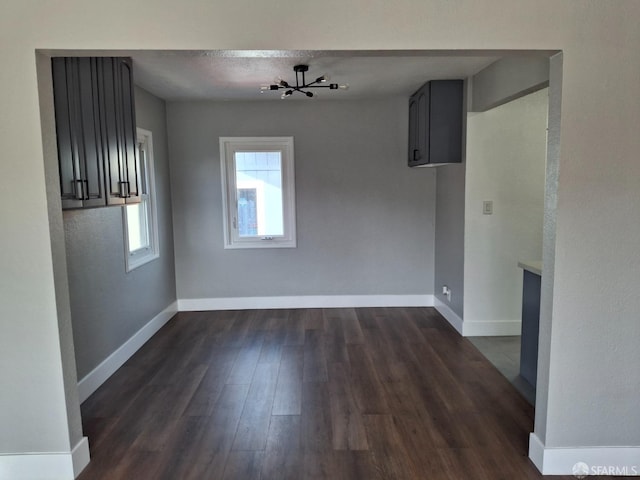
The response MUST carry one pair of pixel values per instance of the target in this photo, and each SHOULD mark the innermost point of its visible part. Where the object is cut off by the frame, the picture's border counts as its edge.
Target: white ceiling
(238, 75)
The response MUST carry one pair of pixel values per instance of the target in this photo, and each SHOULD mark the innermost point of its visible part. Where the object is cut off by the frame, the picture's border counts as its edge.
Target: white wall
(56, 228)
(506, 151)
(593, 383)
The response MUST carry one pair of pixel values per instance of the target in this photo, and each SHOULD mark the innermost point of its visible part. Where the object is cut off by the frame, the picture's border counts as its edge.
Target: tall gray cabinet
(96, 131)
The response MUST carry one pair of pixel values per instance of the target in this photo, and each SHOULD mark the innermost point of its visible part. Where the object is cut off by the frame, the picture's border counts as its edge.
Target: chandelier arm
(299, 88)
(313, 84)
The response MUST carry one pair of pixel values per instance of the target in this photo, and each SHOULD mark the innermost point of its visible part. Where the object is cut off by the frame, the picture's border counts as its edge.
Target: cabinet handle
(78, 189)
(125, 189)
(85, 187)
(416, 155)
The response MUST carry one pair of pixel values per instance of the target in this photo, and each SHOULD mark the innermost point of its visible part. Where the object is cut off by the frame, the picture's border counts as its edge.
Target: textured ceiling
(238, 75)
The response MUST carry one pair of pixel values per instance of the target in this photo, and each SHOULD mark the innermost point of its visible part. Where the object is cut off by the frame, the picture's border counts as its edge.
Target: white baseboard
(536, 451)
(80, 456)
(451, 316)
(498, 328)
(113, 362)
(468, 328)
(46, 466)
(310, 301)
(618, 461)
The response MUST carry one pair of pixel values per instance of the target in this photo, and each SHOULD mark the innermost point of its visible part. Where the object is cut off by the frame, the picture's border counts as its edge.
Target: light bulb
(264, 87)
(344, 87)
(323, 79)
(280, 82)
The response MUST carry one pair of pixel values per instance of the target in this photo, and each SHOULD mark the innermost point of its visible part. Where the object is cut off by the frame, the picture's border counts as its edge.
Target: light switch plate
(487, 207)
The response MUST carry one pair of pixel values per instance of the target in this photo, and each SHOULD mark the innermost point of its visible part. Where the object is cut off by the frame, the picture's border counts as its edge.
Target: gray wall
(109, 305)
(507, 79)
(365, 221)
(449, 245)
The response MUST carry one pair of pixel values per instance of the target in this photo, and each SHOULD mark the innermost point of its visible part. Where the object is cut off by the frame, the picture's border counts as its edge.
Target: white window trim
(228, 147)
(142, 256)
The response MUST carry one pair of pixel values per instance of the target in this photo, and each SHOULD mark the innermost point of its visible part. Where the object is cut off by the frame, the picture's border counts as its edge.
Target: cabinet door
(65, 107)
(91, 165)
(445, 144)
(419, 127)
(111, 127)
(129, 136)
(413, 129)
(423, 125)
(79, 153)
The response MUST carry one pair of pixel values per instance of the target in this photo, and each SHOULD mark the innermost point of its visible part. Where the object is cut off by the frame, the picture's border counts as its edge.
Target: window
(140, 219)
(258, 192)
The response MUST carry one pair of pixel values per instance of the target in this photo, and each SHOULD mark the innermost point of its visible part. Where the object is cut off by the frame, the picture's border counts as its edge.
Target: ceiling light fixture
(301, 85)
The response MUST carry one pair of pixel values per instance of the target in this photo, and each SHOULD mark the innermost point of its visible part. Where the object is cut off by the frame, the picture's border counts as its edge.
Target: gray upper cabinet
(435, 123)
(96, 131)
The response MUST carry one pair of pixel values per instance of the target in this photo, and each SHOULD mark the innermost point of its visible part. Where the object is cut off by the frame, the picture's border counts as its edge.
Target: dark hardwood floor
(368, 393)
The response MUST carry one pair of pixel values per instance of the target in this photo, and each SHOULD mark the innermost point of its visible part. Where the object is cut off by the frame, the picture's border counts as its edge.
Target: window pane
(138, 225)
(144, 178)
(247, 213)
(259, 193)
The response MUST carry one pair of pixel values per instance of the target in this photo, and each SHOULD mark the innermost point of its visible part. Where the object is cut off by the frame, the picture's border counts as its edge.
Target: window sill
(135, 261)
(259, 244)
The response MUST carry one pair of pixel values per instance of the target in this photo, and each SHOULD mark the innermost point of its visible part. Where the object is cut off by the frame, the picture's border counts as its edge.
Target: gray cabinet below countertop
(531, 285)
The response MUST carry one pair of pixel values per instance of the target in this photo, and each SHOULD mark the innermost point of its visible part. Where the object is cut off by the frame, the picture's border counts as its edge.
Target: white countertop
(533, 266)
